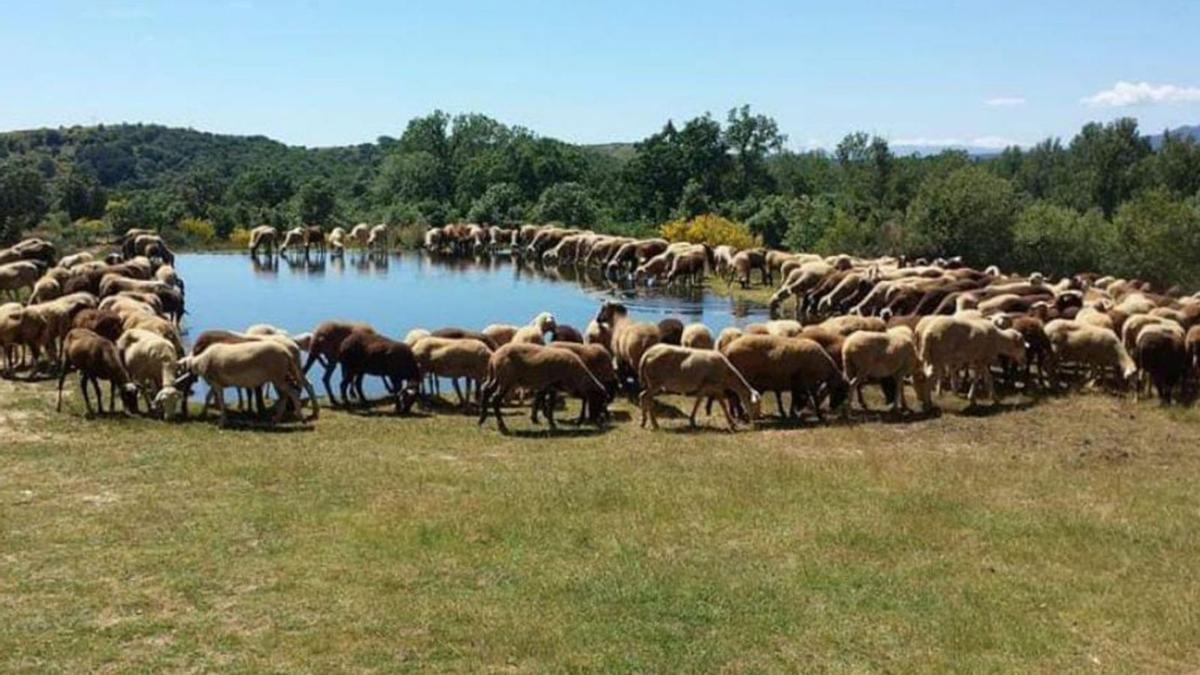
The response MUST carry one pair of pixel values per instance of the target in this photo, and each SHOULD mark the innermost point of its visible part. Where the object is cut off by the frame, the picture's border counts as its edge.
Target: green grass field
(1053, 535)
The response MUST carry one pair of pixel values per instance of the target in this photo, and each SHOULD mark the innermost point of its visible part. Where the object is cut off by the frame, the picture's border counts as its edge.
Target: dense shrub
(969, 212)
(709, 229)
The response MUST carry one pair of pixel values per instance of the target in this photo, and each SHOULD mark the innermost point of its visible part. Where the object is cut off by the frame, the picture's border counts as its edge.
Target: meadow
(1043, 535)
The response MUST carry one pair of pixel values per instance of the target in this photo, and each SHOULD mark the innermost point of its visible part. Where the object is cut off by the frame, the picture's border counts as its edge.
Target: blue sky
(326, 73)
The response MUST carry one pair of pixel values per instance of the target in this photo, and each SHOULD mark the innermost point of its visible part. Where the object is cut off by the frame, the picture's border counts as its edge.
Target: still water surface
(411, 290)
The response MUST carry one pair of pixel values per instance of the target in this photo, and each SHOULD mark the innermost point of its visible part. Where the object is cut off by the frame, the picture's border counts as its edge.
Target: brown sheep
(692, 372)
(326, 347)
(798, 366)
(102, 322)
(1161, 355)
(365, 352)
(96, 359)
(670, 331)
(539, 369)
(566, 333)
(630, 339)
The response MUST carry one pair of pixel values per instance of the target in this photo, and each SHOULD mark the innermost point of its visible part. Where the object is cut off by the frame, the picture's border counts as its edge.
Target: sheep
(795, 365)
(533, 332)
(454, 358)
(100, 321)
(151, 361)
(337, 241)
(412, 336)
(157, 325)
(696, 336)
(630, 339)
(1161, 354)
(745, 262)
(692, 372)
(166, 274)
(455, 333)
(33, 249)
(96, 359)
(326, 346)
(598, 334)
(566, 333)
(543, 370)
(46, 288)
(377, 239)
(263, 236)
(1096, 348)
(501, 333)
(16, 276)
(292, 238)
(249, 365)
(950, 343)
(670, 331)
(75, 260)
(891, 354)
(365, 352)
(688, 266)
(726, 336)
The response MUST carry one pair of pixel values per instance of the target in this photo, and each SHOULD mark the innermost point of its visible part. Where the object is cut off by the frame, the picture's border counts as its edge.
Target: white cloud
(1005, 101)
(989, 142)
(1137, 93)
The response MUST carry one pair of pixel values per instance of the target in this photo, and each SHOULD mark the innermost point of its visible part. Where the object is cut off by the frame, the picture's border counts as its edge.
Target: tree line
(1108, 199)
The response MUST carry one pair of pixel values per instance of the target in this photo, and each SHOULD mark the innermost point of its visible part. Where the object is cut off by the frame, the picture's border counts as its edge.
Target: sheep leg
(344, 385)
(462, 402)
(258, 399)
(358, 389)
(857, 384)
(550, 402)
(728, 417)
(497, 398)
(779, 404)
(219, 394)
(487, 392)
(61, 378)
(695, 409)
(326, 379)
(816, 404)
(87, 400)
(539, 400)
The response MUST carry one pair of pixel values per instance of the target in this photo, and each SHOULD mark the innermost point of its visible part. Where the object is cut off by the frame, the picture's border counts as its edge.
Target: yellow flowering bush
(709, 229)
(240, 237)
(197, 231)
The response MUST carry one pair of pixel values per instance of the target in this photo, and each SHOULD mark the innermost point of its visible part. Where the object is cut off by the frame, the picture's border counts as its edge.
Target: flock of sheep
(919, 324)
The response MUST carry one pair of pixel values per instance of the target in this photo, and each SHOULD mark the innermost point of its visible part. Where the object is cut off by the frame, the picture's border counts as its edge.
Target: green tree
(266, 187)
(693, 201)
(1105, 162)
(80, 195)
(316, 202)
(751, 138)
(969, 212)
(567, 203)
(1158, 238)
(1176, 165)
(813, 217)
(1059, 241)
(500, 204)
(775, 217)
(23, 198)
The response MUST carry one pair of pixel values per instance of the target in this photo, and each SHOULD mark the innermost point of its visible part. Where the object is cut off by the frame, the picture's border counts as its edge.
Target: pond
(398, 292)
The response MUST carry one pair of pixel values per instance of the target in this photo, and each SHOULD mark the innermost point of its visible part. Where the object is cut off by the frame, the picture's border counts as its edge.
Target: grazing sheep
(151, 361)
(745, 262)
(455, 333)
(726, 337)
(1095, 348)
(96, 359)
(692, 372)
(696, 336)
(104, 323)
(544, 370)
(795, 365)
(75, 259)
(454, 358)
(377, 239)
(326, 346)
(250, 365)
(949, 344)
(891, 354)
(368, 353)
(533, 332)
(46, 288)
(1161, 355)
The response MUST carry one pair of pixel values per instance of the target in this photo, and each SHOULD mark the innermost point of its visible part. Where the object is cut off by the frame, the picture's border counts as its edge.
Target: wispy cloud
(1005, 101)
(1141, 93)
(988, 142)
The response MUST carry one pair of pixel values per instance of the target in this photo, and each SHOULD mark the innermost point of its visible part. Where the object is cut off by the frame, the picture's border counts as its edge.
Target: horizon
(599, 75)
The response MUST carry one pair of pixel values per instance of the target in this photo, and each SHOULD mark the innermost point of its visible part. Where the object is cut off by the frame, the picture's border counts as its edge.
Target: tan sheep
(700, 373)
(151, 361)
(543, 370)
(798, 366)
(454, 358)
(949, 344)
(1091, 347)
(696, 336)
(249, 365)
(891, 354)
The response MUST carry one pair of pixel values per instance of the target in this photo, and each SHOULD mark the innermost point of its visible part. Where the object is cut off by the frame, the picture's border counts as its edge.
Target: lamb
(151, 361)
(454, 358)
(1095, 348)
(249, 365)
(96, 359)
(692, 372)
(795, 365)
(696, 336)
(891, 354)
(365, 352)
(540, 369)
